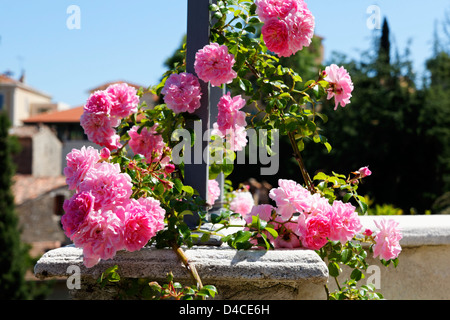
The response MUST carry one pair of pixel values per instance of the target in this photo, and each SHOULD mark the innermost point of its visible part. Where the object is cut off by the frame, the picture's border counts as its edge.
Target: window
(1, 102)
(59, 202)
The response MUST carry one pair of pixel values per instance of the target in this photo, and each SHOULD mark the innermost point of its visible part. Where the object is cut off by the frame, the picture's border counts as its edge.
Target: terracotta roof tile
(28, 187)
(66, 116)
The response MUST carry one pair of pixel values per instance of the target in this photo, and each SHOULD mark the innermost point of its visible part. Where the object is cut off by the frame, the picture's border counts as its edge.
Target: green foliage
(14, 257)
(145, 289)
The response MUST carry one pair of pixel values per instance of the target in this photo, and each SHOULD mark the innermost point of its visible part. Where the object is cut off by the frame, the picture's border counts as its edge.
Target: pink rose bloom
(387, 240)
(76, 209)
(235, 137)
(168, 168)
(79, 162)
(242, 202)
(287, 237)
(228, 112)
(364, 172)
(108, 185)
(264, 211)
(105, 153)
(213, 63)
(148, 143)
(139, 224)
(99, 102)
(276, 36)
(316, 205)
(100, 237)
(124, 99)
(99, 129)
(301, 26)
(341, 85)
(290, 197)
(313, 230)
(231, 122)
(288, 25)
(267, 9)
(344, 222)
(213, 191)
(182, 92)
(157, 213)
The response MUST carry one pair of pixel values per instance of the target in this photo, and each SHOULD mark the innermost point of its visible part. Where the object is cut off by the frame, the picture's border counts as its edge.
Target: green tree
(14, 257)
(390, 125)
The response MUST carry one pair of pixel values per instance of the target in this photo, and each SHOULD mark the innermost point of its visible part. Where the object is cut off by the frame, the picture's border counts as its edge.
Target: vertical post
(198, 35)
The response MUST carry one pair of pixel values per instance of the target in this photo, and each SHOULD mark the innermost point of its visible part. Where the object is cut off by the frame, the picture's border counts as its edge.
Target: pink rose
(287, 237)
(267, 9)
(157, 213)
(387, 240)
(108, 185)
(105, 153)
(139, 224)
(264, 211)
(242, 202)
(148, 143)
(288, 25)
(344, 221)
(100, 236)
(364, 172)
(213, 63)
(229, 113)
(182, 92)
(213, 191)
(124, 99)
(79, 162)
(341, 85)
(276, 36)
(290, 197)
(301, 26)
(316, 204)
(76, 209)
(99, 129)
(99, 102)
(313, 230)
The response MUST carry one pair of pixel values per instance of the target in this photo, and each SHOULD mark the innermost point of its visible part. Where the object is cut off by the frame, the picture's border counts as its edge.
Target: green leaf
(346, 255)
(356, 275)
(347, 197)
(333, 269)
(321, 176)
(188, 190)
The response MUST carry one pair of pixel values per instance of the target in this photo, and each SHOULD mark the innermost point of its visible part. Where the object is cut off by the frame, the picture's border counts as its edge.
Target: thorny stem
(298, 157)
(192, 270)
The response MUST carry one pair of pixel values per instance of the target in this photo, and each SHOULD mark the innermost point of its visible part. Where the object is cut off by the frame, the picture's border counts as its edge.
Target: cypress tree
(13, 254)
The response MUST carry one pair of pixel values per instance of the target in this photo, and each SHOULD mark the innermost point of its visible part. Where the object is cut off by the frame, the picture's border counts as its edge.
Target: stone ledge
(219, 263)
(252, 274)
(418, 230)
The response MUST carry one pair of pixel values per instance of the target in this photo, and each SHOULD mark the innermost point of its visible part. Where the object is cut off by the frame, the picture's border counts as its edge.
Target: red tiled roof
(66, 116)
(5, 79)
(28, 187)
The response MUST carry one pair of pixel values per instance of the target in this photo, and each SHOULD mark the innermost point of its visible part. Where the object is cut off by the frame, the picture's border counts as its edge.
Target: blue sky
(129, 40)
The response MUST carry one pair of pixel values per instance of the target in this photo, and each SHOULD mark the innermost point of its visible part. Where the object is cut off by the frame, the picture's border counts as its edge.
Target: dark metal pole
(198, 35)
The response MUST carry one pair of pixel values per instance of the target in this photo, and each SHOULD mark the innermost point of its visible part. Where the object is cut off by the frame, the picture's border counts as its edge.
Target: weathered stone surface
(237, 274)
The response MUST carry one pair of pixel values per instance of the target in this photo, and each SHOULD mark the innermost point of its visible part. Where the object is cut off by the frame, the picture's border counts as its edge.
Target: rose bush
(131, 193)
